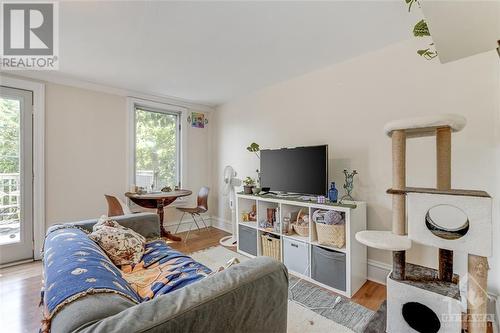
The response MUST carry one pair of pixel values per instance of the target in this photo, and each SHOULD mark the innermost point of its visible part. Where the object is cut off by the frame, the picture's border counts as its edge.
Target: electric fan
(230, 181)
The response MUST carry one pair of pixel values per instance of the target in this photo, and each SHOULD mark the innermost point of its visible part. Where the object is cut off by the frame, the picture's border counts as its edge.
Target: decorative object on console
(252, 216)
(270, 223)
(249, 184)
(349, 185)
(271, 215)
(333, 193)
(321, 199)
(244, 217)
(286, 225)
(256, 190)
(452, 220)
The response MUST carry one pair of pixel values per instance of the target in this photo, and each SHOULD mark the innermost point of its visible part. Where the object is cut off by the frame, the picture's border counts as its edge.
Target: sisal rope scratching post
(443, 158)
(398, 200)
(443, 182)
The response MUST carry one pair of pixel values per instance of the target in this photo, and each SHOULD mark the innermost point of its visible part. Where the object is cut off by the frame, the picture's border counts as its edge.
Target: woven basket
(271, 247)
(332, 235)
(301, 230)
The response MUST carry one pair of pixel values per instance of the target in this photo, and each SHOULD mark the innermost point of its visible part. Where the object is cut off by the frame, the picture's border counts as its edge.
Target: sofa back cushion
(146, 224)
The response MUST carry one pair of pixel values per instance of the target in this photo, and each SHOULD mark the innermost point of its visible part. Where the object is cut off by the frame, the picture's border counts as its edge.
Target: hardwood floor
(20, 286)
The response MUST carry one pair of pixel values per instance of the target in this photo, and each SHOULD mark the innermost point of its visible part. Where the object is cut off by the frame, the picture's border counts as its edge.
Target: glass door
(16, 175)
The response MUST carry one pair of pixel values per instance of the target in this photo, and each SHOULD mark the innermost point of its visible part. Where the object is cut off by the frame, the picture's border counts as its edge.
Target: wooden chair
(116, 207)
(202, 207)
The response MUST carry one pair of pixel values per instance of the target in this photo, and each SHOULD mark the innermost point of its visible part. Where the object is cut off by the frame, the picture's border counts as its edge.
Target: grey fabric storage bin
(296, 256)
(328, 267)
(247, 239)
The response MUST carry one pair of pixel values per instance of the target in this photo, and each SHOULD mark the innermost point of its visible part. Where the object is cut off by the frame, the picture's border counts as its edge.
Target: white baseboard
(378, 271)
(222, 224)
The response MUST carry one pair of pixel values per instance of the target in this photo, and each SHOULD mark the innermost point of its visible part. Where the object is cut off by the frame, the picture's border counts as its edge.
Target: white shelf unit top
(355, 220)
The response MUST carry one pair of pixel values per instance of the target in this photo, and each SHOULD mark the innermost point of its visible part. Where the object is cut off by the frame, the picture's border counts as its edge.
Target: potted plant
(255, 148)
(248, 185)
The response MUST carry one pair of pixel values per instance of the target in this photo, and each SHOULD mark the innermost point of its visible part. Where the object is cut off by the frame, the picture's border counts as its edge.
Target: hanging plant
(410, 3)
(422, 30)
(427, 53)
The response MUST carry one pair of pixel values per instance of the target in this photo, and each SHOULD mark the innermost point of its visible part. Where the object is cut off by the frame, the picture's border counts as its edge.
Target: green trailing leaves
(421, 29)
(427, 53)
(410, 3)
(253, 148)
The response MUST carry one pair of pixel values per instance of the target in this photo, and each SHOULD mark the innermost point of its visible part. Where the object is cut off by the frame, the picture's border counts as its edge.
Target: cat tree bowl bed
(422, 299)
(384, 240)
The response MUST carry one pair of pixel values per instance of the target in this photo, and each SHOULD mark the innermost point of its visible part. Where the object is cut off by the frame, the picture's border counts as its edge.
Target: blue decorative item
(333, 193)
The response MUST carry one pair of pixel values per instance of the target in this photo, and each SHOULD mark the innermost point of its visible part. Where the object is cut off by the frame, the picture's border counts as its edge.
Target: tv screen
(295, 170)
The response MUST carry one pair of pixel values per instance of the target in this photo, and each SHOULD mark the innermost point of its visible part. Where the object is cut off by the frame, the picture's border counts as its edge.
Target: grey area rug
(317, 299)
(378, 322)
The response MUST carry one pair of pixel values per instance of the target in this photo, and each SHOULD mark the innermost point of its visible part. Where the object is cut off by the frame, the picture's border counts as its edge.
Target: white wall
(86, 153)
(346, 107)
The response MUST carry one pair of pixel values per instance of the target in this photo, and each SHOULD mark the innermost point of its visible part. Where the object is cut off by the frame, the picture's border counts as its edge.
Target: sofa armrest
(146, 224)
(249, 297)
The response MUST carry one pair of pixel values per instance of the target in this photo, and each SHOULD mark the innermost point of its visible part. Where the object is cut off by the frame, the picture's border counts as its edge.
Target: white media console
(340, 270)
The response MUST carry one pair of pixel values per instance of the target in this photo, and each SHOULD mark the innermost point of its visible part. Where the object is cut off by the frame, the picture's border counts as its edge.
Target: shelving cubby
(245, 205)
(340, 270)
(293, 210)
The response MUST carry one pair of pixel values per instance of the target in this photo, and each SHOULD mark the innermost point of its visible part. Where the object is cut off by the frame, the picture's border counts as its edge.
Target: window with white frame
(157, 143)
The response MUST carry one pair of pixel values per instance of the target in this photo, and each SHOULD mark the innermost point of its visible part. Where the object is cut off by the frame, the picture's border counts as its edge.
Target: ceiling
(211, 52)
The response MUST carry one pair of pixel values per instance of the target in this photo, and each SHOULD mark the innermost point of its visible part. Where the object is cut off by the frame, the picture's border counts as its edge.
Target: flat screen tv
(295, 170)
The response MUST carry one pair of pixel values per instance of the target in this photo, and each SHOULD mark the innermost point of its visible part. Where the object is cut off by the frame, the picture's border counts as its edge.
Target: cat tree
(421, 299)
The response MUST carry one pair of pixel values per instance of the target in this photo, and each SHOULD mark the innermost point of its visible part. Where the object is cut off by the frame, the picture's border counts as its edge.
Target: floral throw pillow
(122, 245)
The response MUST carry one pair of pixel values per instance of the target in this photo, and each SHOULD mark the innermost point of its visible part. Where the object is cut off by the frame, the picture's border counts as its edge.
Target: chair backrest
(116, 207)
(203, 198)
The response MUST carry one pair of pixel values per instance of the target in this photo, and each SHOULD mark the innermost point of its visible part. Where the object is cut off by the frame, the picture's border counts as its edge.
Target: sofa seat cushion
(74, 267)
(162, 270)
(122, 245)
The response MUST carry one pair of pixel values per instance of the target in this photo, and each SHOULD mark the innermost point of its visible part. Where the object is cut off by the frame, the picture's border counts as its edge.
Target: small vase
(333, 193)
(247, 189)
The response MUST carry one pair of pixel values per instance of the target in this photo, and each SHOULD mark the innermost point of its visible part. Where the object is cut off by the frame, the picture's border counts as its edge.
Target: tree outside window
(156, 149)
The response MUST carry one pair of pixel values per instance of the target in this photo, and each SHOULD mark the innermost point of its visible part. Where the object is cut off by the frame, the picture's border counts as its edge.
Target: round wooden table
(158, 200)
